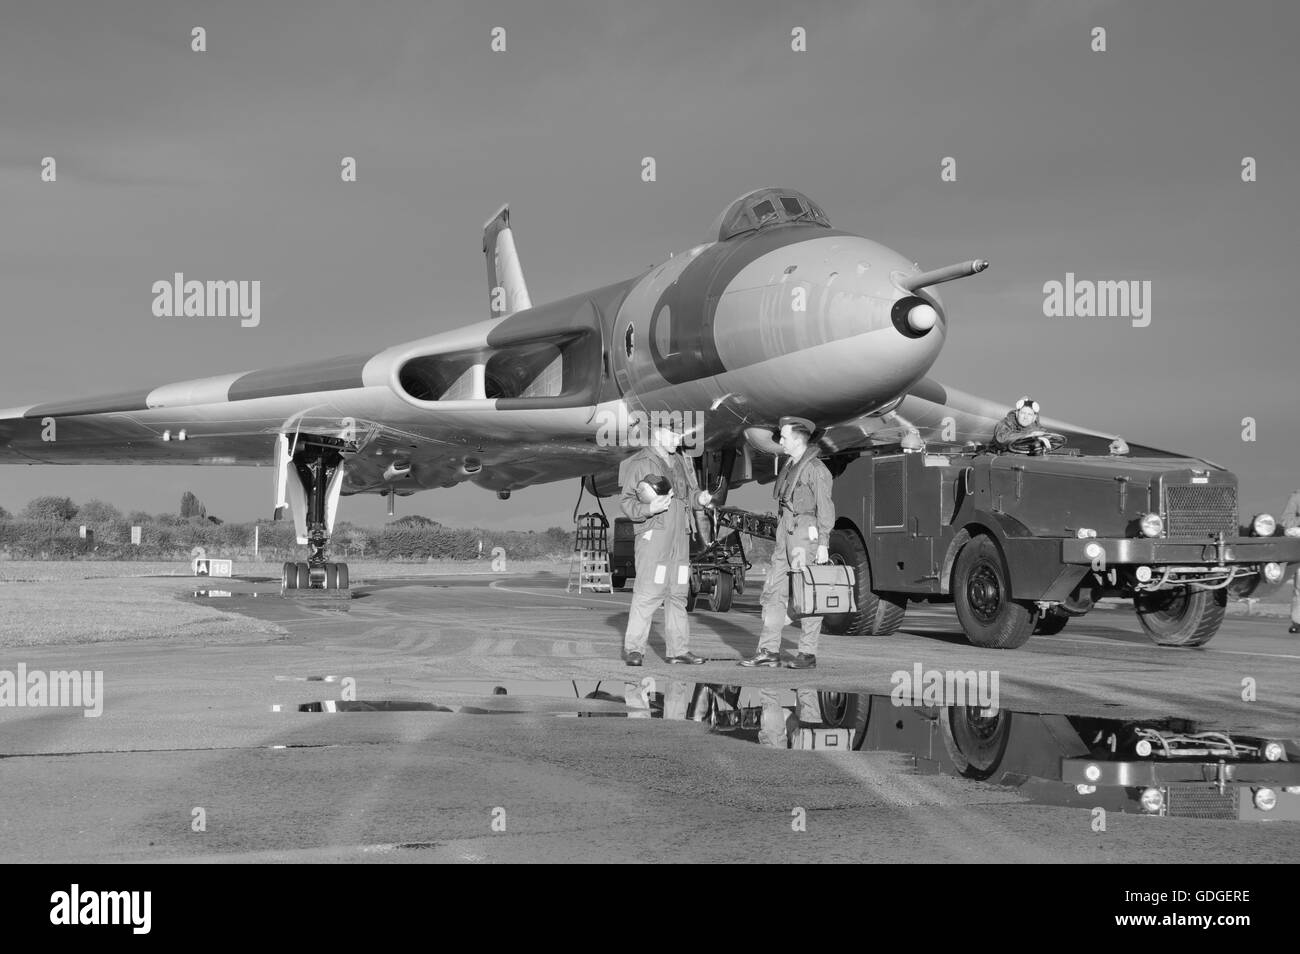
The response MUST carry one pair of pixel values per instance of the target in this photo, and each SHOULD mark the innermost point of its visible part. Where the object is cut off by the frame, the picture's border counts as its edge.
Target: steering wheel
(1036, 443)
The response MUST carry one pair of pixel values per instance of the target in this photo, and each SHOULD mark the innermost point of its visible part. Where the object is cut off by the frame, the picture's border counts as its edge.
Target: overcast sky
(1123, 164)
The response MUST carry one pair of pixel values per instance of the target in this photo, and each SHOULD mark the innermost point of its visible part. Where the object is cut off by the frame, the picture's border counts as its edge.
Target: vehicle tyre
(846, 710)
(692, 596)
(720, 598)
(877, 614)
(289, 576)
(1181, 617)
(617, 580)
(981, 591)
(1051, 622)
(304, 576)
(975, 742)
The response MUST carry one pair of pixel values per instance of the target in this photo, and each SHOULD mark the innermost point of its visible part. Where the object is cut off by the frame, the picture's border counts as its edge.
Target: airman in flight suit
(803, 493)
(663, 559)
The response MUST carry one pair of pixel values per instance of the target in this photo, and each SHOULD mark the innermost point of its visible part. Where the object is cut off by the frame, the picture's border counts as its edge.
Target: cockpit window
(765, 208)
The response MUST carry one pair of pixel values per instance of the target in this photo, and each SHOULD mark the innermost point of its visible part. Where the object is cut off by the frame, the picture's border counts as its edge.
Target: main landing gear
(317, 463)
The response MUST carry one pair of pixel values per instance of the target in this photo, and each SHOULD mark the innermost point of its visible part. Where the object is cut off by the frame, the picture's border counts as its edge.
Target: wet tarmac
(918, 747)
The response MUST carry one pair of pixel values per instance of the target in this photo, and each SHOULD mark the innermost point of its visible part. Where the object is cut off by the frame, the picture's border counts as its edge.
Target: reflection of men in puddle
(779, 727)
(676, 698)
(663, 560)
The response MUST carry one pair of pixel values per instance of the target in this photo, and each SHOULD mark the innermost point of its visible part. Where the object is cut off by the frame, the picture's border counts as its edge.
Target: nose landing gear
(318, 465)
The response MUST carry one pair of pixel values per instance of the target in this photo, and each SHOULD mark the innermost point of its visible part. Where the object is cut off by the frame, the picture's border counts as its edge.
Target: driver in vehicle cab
(1021, 422)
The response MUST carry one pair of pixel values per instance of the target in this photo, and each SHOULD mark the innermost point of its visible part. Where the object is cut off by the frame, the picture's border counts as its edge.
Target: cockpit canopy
(767, 207)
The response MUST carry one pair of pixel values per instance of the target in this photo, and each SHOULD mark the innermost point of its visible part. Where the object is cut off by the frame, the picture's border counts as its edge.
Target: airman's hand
(823, 555)
(660, 504)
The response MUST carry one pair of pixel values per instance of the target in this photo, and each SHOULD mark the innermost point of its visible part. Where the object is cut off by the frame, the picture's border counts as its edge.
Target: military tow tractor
(1023, 544)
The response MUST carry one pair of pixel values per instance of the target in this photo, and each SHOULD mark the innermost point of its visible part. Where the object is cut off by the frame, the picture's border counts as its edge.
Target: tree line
(49, 528)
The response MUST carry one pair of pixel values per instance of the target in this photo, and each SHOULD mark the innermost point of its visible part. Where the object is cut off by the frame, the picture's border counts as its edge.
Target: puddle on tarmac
(1168, 766)
(238, 594)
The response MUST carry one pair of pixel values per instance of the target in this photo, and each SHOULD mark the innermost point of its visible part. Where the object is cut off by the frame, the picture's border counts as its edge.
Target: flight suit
(663, 557)
(806, 518)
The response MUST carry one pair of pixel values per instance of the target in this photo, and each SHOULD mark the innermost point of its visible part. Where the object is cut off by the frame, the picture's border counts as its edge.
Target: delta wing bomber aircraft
(777, 313)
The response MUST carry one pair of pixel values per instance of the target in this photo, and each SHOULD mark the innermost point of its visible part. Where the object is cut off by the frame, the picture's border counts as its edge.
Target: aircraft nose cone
(922, 317)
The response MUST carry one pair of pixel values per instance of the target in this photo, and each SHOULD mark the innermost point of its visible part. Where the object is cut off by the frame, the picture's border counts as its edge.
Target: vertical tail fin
(506, 288)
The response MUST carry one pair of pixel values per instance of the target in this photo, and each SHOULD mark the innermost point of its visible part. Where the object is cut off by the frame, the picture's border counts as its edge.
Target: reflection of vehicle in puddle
(1161, 766)
(1169, 767)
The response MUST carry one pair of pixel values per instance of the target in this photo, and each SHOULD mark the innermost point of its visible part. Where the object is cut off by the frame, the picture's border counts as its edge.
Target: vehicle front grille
(1201, 510)
(1194, 801)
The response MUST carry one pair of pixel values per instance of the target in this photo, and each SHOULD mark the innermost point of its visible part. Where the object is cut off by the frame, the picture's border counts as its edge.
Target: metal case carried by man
(821, 590)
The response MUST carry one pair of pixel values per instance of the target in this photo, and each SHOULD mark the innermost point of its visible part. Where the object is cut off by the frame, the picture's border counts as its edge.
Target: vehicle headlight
(1143, 748)
(1264, 525)
(1152, 800)
(1152, 525)
(1273, 751)
(1265, 799)
(1092, 773)
(1273, 572)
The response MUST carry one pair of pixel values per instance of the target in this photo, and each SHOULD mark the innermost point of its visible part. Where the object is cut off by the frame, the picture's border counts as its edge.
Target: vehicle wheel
(1051, 622)
(720, 598)
(289, 577)
(304, 576)
(343, 575)
(846, 710)
(617, 580)
(331, 576)
(982, 593)
(1181, 617)
(692, 596)
(975, 742)
(877, 614)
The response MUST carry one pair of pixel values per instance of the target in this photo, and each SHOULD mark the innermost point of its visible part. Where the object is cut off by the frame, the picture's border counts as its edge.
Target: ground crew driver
(1021, 421)
(663, 559)
(803, 530)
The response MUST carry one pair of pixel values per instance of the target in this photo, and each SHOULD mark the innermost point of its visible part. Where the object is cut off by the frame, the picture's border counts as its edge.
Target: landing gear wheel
(1051, 622)
(982, 593)
(846, 710)
(304, 576)
(331, 576)
(1181, 617)
(878, 614)
(720, 598)
(975, 742)
(342, 575)
(289, 576)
